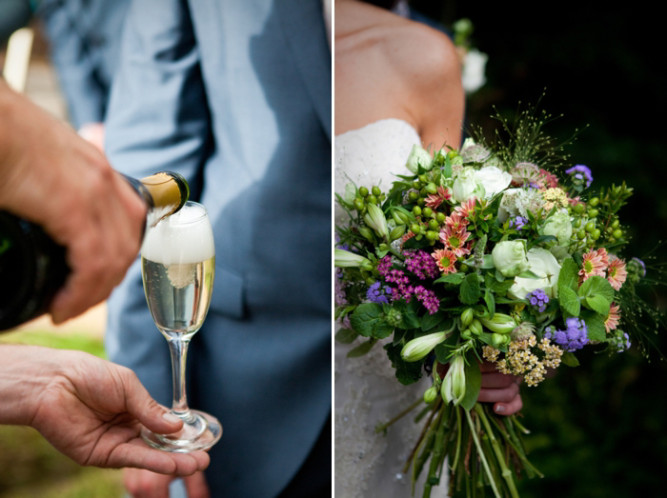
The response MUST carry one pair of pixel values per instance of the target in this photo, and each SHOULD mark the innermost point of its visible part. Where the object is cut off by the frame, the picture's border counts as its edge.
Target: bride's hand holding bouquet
(497, 255)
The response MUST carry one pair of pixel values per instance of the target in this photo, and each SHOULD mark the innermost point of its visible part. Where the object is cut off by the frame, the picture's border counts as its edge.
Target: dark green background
(599, 429)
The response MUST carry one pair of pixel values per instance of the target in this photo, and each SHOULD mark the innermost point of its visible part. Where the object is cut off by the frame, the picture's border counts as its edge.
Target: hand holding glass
(177, 266)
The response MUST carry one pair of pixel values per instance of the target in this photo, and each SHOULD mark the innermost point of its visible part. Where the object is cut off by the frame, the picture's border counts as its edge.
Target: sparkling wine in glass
(177, 266)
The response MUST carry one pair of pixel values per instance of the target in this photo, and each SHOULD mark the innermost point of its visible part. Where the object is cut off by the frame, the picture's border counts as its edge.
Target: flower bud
(400, 217)
(367, 234)
(347, 259)
(476, 327)
(500, 340)
(418, 157)
(397, 232)
(454, 384)
(376, 220)
(430, 394)
(500, 323)
(466, 317)
(418, 348)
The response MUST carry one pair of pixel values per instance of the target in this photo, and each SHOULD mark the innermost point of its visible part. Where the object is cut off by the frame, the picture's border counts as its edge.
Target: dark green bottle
(33, 267)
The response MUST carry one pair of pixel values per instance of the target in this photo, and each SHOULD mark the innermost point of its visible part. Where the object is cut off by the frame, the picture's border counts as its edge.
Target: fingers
(196, 486)
(144, 484)
(510, 408)
(144, 408)
(137, 455)
(102, 233)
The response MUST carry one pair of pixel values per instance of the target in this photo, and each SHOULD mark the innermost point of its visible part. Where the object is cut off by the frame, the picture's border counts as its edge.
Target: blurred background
(30, 467)
(600, 429)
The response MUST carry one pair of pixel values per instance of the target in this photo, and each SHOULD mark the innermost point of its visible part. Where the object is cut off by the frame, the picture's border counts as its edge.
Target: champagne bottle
(33, 267)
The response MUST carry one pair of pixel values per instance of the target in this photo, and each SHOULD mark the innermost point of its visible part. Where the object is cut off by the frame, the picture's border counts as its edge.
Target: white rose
(519, 202)
(509, 257)
(546, 268)
(493, 179)
(418, 157)
(474, 65)
(559, 225)
(466, 185)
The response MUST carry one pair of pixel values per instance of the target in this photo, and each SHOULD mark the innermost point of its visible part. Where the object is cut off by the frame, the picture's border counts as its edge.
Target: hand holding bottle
(53, 177)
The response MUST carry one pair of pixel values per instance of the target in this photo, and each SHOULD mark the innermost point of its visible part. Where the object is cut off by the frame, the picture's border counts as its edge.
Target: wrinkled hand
(500, 389)
(145, 484)
(89, 409)
(55, 178)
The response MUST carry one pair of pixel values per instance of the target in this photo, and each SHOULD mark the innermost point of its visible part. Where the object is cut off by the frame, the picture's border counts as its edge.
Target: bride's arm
(439, 99)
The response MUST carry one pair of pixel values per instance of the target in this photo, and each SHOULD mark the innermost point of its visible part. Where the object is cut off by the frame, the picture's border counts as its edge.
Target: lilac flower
(538, 299)
(581, 173)
(574, 337)
(421, 264)
(518, 223)
(376, 294)
(427, 298)
(384, 265)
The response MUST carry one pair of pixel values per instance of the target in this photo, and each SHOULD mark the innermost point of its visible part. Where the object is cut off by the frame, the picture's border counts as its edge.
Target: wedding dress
(367, 393)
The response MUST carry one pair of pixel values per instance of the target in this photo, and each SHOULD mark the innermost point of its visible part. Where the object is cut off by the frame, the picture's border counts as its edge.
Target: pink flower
(455, 240)
(466, 208)
(434, 200)
(616, 273)
(445, 260)
(595, 263)
(614, 317)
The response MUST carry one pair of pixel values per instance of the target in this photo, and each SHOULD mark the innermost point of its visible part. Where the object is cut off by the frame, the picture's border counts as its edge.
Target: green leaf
(430, 322)
(569, 301)
(595, 326)
(473, 383)
(470, 291)
(568, 275)
(451, 278)
(361, 349)
(346, 336)
(598, 294)
(490, 301)
(569, 359)
(368, 320)
(599, 304)
(406, 372)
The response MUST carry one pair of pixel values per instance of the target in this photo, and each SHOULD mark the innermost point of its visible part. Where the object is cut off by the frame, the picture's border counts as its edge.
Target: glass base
(200, 431)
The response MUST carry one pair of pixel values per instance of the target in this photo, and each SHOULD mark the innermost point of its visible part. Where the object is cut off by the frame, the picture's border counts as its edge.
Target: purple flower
(427, 298)
(376, 294)
(518, 223)
(538, 299)
(384, 265)
(421, 264)
(574, 337)
(581, 173)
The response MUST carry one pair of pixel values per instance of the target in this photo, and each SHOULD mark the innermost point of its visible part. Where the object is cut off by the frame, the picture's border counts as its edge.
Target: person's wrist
(25, 373)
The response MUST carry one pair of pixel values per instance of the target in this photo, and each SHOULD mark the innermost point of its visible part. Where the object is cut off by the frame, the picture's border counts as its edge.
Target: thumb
(149, 412)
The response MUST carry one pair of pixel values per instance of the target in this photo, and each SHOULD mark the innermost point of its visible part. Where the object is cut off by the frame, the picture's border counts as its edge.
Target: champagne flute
(177, 267)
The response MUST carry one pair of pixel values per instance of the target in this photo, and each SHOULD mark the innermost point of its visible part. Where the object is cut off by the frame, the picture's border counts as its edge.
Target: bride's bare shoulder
(406, 47)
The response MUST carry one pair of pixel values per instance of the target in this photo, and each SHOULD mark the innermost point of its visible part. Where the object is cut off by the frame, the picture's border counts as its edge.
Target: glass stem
(178, 348)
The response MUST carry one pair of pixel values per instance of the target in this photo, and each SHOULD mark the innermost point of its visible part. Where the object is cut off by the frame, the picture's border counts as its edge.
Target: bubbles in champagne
(179, 242)
(184, 237)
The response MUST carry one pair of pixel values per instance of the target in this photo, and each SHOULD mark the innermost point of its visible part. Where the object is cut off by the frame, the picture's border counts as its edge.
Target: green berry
(363, 191)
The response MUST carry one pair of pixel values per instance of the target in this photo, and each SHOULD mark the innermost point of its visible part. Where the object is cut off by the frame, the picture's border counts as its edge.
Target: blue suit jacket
(236, 96)
(84, 38)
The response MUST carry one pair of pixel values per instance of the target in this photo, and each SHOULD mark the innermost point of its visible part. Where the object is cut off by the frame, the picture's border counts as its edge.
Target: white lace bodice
(366, 390)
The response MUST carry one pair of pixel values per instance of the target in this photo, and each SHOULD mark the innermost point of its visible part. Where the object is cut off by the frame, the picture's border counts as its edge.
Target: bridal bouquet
(497, 252)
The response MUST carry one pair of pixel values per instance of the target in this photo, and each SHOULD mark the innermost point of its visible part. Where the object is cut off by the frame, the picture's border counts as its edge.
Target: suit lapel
(303, 25)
